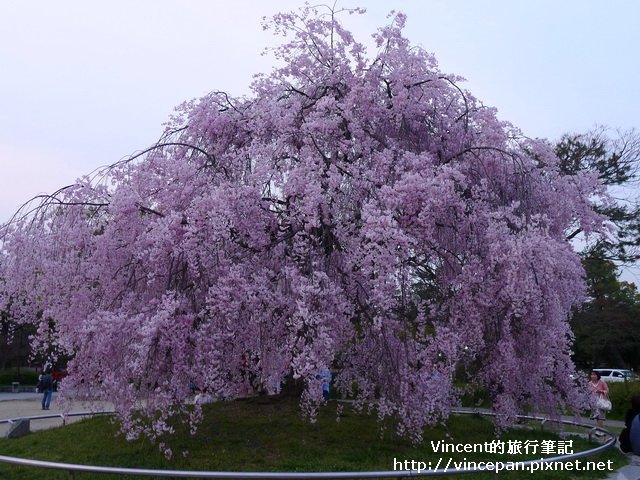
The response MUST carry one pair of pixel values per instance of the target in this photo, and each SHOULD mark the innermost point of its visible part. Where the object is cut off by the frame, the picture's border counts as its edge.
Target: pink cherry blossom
(357, 212)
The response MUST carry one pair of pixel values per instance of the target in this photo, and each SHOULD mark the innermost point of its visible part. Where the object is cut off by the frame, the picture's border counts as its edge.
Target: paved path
(17, 405)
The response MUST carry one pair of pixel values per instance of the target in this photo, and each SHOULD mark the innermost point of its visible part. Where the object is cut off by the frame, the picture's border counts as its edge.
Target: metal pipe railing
(525, 464)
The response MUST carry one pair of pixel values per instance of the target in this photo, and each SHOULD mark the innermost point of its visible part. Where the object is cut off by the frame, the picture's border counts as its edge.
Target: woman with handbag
(600, 390)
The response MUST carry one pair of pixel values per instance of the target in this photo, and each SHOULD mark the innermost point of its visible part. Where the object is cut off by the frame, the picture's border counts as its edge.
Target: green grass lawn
(269, 435)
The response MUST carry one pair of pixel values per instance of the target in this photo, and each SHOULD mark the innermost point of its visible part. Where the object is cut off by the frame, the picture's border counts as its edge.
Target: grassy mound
(270, 435)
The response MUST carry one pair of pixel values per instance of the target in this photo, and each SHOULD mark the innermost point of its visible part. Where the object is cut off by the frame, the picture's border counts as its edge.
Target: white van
(616, 374)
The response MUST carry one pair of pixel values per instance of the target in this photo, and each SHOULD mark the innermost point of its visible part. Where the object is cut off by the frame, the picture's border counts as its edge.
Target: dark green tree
(14, 342)
(615, 158)
(607, 327)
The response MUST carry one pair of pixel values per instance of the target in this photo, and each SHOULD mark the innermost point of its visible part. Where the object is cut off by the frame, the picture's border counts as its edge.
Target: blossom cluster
(360, 214)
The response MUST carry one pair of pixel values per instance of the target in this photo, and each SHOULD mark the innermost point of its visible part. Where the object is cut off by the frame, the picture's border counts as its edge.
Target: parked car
(616, 375)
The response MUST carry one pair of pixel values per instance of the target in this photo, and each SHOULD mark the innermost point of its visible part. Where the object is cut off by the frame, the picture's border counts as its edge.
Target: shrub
(25, 377)
(620, 395)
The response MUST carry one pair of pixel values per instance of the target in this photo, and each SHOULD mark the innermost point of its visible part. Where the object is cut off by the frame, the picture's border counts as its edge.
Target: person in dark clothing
(46, 385)
(630, 435)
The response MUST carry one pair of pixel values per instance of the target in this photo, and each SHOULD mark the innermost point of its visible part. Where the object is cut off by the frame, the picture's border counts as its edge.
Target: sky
(84, 84)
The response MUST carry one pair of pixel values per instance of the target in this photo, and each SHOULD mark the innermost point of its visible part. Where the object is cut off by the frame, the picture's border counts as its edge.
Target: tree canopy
(615, 158)
(364, 213)
(606, 326)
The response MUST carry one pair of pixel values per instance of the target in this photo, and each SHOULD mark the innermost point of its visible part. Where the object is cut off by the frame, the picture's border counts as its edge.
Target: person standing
(46, 384)
(600, 390)
(325, 379)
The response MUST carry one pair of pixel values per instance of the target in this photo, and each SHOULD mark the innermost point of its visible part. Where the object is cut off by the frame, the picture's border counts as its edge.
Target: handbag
(604, 403)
